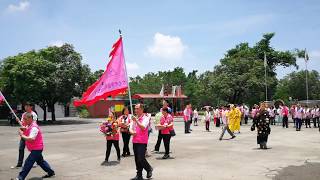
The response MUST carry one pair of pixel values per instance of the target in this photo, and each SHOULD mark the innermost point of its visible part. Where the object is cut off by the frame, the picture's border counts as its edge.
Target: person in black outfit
(263, 128)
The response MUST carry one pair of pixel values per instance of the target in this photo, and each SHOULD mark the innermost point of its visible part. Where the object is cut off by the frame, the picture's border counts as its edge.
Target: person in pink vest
(34, 142)
(28, 108)
(186, 118)
(166, 124)
(139, 131)
(113, 138)
(285, 115)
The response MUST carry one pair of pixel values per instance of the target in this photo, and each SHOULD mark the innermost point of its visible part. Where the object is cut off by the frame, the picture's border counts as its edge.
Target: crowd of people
(139, 125)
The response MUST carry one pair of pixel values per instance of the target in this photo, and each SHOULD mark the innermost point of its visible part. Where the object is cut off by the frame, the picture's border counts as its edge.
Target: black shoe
(128, 154)
(149, 173)
(123, 155)
(166, 156)
(233, 137)
(119, 159)
(48, 175)
(137, 178)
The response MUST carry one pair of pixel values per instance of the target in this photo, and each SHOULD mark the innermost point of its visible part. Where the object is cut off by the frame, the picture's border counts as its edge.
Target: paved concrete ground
(76, 150)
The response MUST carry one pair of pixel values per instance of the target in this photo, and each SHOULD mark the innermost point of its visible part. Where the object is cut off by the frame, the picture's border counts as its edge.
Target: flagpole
(5, 100)
(307, 77)
(129, 92)
(265, 75)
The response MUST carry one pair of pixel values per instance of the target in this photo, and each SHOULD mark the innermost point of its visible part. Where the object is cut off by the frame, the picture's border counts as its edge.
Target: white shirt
(208, 116)
(145, 122)
(33, 133)
(195, 114)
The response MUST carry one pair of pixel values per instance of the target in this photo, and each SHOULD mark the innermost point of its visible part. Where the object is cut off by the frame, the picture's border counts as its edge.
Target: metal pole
(125, 66)
(307, 82)
(4, 98)
(265, 75)
(265, 79)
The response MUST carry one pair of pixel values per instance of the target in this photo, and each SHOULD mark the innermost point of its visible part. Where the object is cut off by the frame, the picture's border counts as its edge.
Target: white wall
(59, 112)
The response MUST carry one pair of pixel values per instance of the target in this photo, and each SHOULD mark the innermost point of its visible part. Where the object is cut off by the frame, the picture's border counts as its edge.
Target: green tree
(294, 85)
(240, 76)
(46, 77)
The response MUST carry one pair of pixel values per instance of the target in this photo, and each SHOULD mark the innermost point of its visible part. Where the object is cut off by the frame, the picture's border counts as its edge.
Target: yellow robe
(234, 119)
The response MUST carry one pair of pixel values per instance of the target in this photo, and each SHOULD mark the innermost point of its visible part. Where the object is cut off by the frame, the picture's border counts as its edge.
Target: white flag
(162, 91)
(174, 91)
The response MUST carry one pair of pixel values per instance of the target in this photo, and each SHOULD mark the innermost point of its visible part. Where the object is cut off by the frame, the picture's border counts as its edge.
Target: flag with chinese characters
(112, 82)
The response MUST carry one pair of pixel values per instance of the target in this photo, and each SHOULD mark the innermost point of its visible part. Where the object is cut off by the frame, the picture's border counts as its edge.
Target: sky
(160, 35)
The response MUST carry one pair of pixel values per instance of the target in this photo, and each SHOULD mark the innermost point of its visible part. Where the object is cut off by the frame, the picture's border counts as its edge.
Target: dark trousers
(246, 119)
(308, 122)
(272, 121)
(126, 140)
(166, 142)
(22, 145)
(157, 146)
(195, 121)
(207, 125)
(314, 122)
(109, 145)
(298, 124)
(285, 121)
(34, 156)
(186, 127)
(140, 158)
(218, 122)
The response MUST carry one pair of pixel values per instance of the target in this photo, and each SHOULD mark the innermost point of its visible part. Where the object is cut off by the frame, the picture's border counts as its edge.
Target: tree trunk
(53, 115)
(44, 108)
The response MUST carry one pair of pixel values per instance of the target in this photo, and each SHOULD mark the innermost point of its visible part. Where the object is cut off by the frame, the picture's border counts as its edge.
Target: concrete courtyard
(75, 149)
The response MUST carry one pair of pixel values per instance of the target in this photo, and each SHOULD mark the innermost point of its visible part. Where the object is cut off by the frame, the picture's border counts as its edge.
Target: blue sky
(160, 35)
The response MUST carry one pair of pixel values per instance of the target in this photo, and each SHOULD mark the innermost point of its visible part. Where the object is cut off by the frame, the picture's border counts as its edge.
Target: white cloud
(132, 66)
(132, 69)
(22, 6)
(167, 47)
(58, 43)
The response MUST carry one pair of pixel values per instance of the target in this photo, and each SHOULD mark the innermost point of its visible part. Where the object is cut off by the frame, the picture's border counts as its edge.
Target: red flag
(112, 82)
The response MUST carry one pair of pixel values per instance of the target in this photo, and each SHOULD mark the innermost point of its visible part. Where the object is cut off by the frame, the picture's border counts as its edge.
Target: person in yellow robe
(234, 118)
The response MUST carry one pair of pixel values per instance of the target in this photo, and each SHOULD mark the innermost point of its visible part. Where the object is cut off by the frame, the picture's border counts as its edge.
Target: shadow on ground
(308, 171)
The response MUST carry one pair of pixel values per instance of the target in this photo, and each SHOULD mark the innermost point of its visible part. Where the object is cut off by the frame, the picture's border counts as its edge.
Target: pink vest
(167, 120)
(36, 144)
(115, 137)
(141, 136)
(285, 111)
(186, 114)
